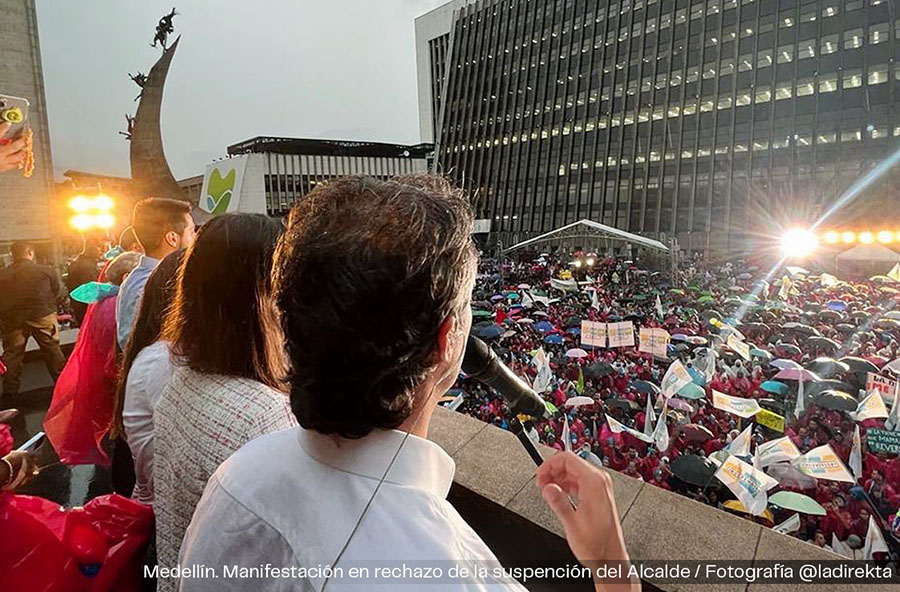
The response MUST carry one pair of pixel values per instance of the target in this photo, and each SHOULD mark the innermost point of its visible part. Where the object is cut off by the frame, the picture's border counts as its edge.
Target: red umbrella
(696, 433)
(877, 360)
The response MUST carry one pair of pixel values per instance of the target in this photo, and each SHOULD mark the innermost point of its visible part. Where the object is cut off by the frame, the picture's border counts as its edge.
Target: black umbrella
(706, 315)
(823, 344)
(859, 365)
(622, 404)
(598, 370)
(845, 328)
(752, 328)
(786, 349)
(635, 316)
(644, 387)
(693, 469)
(827, 367)
(800, 328)
(830, 315)
(814, 388)
(572, 321)
(835, 400)
(771, 404)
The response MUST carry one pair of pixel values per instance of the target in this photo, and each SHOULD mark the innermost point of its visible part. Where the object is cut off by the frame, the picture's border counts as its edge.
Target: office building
(715, 122)
(26, 205)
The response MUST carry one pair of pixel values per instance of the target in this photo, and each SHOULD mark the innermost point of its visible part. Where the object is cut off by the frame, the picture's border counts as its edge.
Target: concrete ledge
(657, 524)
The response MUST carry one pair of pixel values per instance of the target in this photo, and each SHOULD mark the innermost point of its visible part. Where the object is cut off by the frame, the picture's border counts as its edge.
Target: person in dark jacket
(28, 298)
(83, 269)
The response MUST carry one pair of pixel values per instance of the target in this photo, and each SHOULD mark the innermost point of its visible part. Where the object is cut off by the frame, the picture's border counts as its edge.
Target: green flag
(580, 386)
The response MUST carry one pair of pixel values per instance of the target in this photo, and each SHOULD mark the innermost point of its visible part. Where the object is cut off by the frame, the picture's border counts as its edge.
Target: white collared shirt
(293, 498)
(151, 370)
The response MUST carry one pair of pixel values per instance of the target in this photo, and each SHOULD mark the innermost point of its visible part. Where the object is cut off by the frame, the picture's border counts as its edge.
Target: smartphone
(33, 443)
(13, 110)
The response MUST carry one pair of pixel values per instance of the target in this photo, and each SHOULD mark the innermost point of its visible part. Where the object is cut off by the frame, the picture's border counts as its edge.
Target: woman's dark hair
(157, 296)
(364, 276)
(221, 320)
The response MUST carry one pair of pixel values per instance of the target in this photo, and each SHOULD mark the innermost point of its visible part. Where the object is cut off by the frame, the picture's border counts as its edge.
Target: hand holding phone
(15, 135)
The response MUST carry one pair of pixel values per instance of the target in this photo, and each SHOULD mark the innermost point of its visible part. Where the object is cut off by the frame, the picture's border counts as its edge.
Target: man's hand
(592, 528)
(24, 469)
(12, 152)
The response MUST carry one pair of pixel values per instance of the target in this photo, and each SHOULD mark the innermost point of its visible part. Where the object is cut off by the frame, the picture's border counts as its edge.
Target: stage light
(577, 263)
(103, 203)
(104, 221)
(848, 237)
(866, 237)
(81, 222)
(885, 237)
(831, 237)
(798, 243)
(590, 261)
(80, 203)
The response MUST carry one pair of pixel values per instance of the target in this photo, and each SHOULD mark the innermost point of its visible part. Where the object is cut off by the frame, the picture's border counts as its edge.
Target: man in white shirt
(373, 281)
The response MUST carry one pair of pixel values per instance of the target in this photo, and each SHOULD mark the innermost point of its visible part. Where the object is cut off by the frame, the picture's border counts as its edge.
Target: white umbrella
(576, 352)
(579, 401)
(525, 320)
(524, 286)
(893, 366)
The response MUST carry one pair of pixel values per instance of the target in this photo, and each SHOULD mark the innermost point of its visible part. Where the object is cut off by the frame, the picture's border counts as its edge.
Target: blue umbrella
(838, 305)
(554, 339)
(496, 297)
(697, 376)
(773, 386)
(492, 331)
(543, 326)
(574, 330)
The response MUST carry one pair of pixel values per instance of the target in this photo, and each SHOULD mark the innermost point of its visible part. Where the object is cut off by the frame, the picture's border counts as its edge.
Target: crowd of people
(533, 303)
(200, 352)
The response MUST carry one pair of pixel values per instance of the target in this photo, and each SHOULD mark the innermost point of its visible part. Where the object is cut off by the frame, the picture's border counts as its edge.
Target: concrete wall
(493, 472)
(25, 204)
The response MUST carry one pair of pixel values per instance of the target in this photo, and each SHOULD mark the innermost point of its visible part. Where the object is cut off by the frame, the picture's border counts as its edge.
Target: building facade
(280, 171)
(711, 121)
(26, 205)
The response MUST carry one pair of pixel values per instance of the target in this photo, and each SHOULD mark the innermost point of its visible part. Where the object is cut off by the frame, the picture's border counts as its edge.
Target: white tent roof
(869, 253)
(590, 229)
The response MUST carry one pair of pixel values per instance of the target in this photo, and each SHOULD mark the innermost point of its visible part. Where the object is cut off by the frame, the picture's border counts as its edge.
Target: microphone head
(478, 356)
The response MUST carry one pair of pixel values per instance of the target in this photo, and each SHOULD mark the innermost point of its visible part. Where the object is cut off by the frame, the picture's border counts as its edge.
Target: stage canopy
(869, 253)
(592, 230)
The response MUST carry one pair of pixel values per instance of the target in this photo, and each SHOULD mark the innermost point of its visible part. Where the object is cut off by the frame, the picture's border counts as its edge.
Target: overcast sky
(338, 69)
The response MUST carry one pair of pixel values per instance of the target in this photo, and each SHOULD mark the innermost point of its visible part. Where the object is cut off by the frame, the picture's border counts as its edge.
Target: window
(853, 38)
(805, 87)
(709, 71)
(748, 31)
(831, 9)
(878, 33)
(783, 90)
(726, 67)
(851, 136)
(745, 62)
(806, 49)
(852, 78)
(808, 15)
(828, 83)
(693, 74)
(826, 138)
(829, 44)
(853, 5)
(743, 98)
(785, 54)
(763, 94)
(764, 58)
(878, 74)
(877, 132)
(724, 103)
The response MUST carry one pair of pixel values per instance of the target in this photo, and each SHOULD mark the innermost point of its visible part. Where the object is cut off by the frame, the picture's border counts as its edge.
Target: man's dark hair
(366, 273)
(221, 320)
(94, 244)
(155, 216)
(21, 250)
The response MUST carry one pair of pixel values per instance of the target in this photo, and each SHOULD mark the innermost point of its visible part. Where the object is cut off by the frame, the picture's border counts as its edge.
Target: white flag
(871, 406)
(675, 378)
(874, 540)
(827, 280)
(840, 547)
(567, 439)
(789, 526)
(894, 273)
(527, 300)
(659, 308)
(649, 417)
(823, 463)
(749, 485)
(738, 346)
(618, 428)
(893, 420)
(740, 446)
(856, 453)
(756, 462)
(595, 300)
(773, 451)
(661, 433)
(800, 407)
(735, 405)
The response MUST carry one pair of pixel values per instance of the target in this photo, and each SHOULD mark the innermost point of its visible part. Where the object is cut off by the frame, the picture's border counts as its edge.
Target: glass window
(826, 138)
(828, 83)
(786, 21)
(764, 58)
(853, 38)
(806, 49)
(808, 15)
(852, 78)
(763, 94)
(851, 136)
(853, 5)
(828, 44)
(747, 32)
(830, 9)
(785, 54)
(693, 74)
(745, 62)
(784, 90)
(878, 74)
(726, 67)
(805, 87)
(743, 98)
(709, 71)
(724, 103)
(878, 33)
(877, 132)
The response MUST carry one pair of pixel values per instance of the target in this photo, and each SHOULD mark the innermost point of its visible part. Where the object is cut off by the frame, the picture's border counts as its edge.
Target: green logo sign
(219, 192)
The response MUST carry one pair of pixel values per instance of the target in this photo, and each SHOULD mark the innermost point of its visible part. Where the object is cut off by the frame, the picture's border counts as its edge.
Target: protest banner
(823, 463)
(773, 451)
(735, 405)
(654, 341)
(770, 420)
(883, 384)
(620, 334)
(883, 441)
(593, 333)
(748, 484)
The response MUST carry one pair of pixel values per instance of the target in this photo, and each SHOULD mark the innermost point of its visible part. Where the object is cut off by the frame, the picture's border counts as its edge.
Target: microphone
(482, 364)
